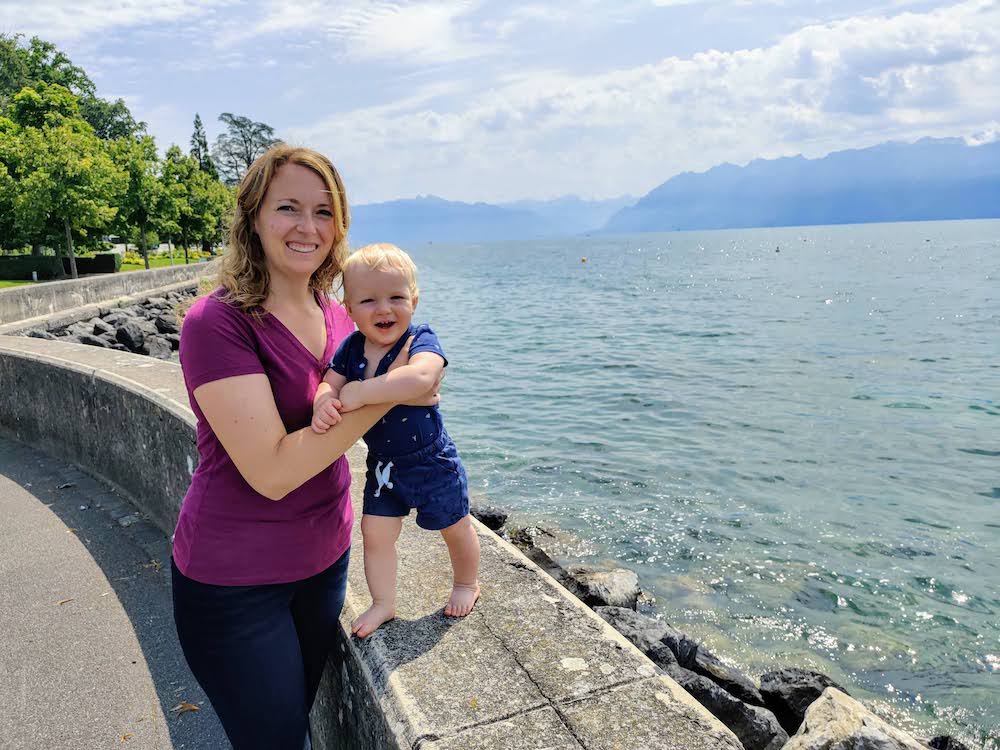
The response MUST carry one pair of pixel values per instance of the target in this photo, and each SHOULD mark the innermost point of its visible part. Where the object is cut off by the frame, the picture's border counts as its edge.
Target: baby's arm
(396, 386)
(326, 402)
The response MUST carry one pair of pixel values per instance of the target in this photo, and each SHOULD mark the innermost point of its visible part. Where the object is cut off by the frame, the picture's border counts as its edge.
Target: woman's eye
(286, 208)
(326, 213)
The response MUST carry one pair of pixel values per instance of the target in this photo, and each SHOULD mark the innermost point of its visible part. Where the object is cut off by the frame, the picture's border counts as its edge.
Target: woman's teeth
(299, 247)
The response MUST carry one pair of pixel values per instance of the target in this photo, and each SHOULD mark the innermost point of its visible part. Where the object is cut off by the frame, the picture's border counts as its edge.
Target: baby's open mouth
(385, 324)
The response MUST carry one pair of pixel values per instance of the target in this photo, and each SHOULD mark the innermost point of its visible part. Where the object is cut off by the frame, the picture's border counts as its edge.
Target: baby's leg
(463, 547)
(380, 534)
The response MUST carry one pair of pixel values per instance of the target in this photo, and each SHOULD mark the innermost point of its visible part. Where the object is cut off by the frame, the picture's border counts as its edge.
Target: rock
(116, 318)
(944, 742)
(705, 663)
(174, 339)
(160, 302)
(167, 323)
(101, 327)
(492, 518)
(835, 720)
(147, 326)
(524, 539)
(156, 346)
(131, 335)
(36, 334)
(789, 693)
(92, 340)
(645, 632)
(756, 727)
(599, 588)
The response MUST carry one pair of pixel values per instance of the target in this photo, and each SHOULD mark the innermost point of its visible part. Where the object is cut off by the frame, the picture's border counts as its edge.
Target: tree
(236, 149)
(199, 149)
(65, 178)
(38, 61)
(146, 205)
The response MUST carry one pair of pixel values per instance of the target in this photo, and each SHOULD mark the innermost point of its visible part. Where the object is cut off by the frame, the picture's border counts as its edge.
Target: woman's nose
(306, 223)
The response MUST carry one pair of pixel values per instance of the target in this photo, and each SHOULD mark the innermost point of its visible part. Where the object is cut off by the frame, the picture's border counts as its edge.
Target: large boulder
(166, 323)
(101, 327)
(91, 340)
(835, 721)
(604, 588)
(789, 693)
(131, 335)
(756, 727)
(158, 347)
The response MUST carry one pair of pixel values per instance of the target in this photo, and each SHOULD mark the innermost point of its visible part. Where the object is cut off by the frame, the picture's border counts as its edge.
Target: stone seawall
(23, 303)
(530, 668)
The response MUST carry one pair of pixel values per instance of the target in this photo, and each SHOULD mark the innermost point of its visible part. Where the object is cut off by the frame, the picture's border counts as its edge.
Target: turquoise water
(792, 435)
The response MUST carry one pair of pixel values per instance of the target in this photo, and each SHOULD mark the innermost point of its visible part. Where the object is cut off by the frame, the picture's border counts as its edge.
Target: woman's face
(295, 222)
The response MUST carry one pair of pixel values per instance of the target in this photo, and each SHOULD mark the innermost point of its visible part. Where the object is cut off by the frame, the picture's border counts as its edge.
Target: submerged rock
(789, 693)
(836, 721)
(944, 742)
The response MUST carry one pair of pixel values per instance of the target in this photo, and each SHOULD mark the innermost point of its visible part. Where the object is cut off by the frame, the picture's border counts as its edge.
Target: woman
(262, 542)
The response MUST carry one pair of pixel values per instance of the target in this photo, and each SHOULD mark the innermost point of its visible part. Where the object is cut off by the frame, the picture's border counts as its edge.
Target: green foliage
(236, 149)
(37, 61)
(199, 149)
(48, 104)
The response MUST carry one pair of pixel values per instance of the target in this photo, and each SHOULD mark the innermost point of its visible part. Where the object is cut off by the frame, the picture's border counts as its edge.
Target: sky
(504, 100)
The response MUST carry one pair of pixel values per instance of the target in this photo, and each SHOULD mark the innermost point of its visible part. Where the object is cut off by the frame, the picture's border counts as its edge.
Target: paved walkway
(88, 653)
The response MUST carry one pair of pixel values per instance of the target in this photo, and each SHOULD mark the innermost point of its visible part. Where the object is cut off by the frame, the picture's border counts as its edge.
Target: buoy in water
(583, 259)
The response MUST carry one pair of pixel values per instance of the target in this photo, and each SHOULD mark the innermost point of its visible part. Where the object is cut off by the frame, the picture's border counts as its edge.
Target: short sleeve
(425, 340)
(217, 341)
(338, 362)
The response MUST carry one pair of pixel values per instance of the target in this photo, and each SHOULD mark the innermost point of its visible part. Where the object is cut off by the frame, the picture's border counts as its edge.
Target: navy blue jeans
(259, 651)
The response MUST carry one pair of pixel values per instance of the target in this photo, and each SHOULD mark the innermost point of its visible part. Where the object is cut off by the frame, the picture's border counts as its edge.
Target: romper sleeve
(338, 362)
(217, 341)
(425, 340)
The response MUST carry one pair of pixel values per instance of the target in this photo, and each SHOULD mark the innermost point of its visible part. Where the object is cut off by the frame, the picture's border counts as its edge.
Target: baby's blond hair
(382, 255)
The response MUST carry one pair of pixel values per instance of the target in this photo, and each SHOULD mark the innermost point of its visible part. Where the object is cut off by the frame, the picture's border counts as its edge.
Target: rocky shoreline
(150, 327)
(791, 708)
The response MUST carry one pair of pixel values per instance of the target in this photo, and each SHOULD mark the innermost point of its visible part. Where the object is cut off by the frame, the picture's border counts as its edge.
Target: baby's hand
(350, 396)
(325, 413)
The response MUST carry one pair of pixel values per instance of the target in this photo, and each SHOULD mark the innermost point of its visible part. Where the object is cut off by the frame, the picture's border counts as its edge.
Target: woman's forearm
(301, 455)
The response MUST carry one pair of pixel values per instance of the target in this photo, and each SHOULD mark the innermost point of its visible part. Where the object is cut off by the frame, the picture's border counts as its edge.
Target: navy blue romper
(412, 462)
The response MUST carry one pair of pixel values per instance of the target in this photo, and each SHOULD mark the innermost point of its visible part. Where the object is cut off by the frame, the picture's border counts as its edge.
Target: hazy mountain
(573, 215)
(432, 219)
(929, 179)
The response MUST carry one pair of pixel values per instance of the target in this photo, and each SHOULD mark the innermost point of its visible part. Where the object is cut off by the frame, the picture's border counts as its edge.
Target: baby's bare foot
(463, 599)
(370, 620)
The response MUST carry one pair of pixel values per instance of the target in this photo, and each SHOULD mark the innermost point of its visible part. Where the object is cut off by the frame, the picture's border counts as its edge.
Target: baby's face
(379, 302)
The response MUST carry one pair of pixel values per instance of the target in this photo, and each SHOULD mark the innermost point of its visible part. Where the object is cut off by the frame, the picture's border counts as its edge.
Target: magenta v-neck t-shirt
(227, 533)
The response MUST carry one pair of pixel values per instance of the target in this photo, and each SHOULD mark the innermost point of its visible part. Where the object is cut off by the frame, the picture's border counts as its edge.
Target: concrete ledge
(531, 667)
(25, 302)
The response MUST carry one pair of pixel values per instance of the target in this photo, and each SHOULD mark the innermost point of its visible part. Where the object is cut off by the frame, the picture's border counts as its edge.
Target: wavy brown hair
(244, 273)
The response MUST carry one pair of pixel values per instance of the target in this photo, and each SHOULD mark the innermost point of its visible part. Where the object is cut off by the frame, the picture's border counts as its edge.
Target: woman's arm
(243, 415)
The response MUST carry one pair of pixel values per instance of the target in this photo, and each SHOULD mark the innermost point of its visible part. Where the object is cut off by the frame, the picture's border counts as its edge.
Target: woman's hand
(432, 397)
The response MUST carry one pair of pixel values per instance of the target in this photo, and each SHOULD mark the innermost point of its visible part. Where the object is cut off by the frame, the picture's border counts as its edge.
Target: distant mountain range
(432, 219)
(929, 179)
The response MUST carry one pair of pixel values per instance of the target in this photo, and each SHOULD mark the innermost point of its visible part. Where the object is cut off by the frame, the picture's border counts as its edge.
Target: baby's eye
(398, 296)
(366, 300)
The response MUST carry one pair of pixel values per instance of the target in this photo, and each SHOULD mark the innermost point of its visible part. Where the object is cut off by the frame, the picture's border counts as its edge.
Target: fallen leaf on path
(64, 601)
(66, 486)
(183, 707)
(473, 704)
(154, 564)
(126, 737)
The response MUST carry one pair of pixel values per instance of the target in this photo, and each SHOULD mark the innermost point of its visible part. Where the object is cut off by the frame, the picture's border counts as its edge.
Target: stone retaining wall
(531, 667)
(33, 300)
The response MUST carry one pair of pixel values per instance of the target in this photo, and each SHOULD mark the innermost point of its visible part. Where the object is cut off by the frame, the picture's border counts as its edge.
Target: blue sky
(494, 101)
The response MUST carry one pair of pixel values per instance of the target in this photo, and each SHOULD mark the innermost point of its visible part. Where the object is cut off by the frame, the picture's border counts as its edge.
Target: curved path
(88, 653)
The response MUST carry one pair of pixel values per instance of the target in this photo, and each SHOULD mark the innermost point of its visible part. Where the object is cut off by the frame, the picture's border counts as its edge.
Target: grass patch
(5, 284)
(155, 263)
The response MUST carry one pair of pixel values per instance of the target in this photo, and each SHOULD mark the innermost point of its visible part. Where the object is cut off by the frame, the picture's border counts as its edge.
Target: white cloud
(401, 32)
(845, 84)
(59, 20)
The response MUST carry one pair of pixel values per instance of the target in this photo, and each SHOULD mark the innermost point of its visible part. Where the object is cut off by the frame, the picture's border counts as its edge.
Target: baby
(412, 463)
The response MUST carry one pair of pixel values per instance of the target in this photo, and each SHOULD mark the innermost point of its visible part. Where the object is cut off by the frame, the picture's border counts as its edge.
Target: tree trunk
(142, 243)
(184, 240)
(36, 249)
(170, 247)
(69, 248)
